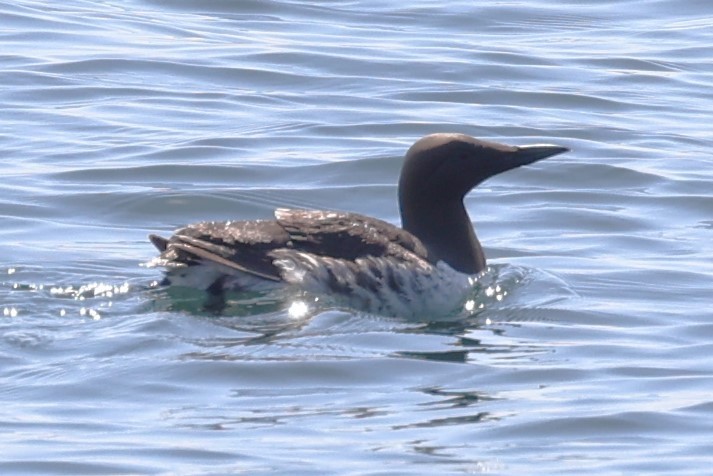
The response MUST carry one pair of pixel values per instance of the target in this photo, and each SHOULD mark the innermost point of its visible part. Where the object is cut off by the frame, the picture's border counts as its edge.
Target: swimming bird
(365, 263)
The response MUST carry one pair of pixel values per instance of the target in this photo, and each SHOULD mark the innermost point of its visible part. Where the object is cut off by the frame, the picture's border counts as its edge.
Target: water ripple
(590, 334)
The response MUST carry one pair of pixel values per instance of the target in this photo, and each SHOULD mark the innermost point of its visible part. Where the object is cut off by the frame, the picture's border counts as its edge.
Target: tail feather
(159, 242)
(207, 251)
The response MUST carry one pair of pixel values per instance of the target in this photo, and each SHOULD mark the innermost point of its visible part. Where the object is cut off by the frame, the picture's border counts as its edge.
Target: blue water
(591, 352)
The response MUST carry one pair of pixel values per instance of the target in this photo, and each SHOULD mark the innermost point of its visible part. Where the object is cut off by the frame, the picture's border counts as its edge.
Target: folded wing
(254, 246)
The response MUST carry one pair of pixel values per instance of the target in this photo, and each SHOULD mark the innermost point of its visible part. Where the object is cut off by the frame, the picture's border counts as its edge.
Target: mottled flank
(377, 284)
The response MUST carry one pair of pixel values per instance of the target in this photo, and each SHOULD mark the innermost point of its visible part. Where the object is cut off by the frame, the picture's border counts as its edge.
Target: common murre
(365, 262)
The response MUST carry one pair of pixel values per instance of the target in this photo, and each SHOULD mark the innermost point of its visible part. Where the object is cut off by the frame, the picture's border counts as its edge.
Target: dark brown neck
(446, 231)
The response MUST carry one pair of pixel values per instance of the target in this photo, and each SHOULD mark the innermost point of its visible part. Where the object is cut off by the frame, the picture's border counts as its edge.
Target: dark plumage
(249, 246)
(349, 253)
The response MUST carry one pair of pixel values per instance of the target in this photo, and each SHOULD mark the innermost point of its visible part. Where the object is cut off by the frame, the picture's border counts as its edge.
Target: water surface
(590, 354)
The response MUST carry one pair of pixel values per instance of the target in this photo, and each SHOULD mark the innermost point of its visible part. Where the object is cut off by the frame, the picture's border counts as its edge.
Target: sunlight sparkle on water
(90, 312)
(496, 292)
(9, 311)
(298, 309)
(91, 290)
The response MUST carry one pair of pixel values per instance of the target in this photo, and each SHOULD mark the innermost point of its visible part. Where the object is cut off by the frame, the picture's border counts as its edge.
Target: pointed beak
(527, 154)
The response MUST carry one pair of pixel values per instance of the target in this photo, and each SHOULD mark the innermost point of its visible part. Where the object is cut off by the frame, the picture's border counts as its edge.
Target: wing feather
(254, 246)
(240, 245)
(345, 235)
